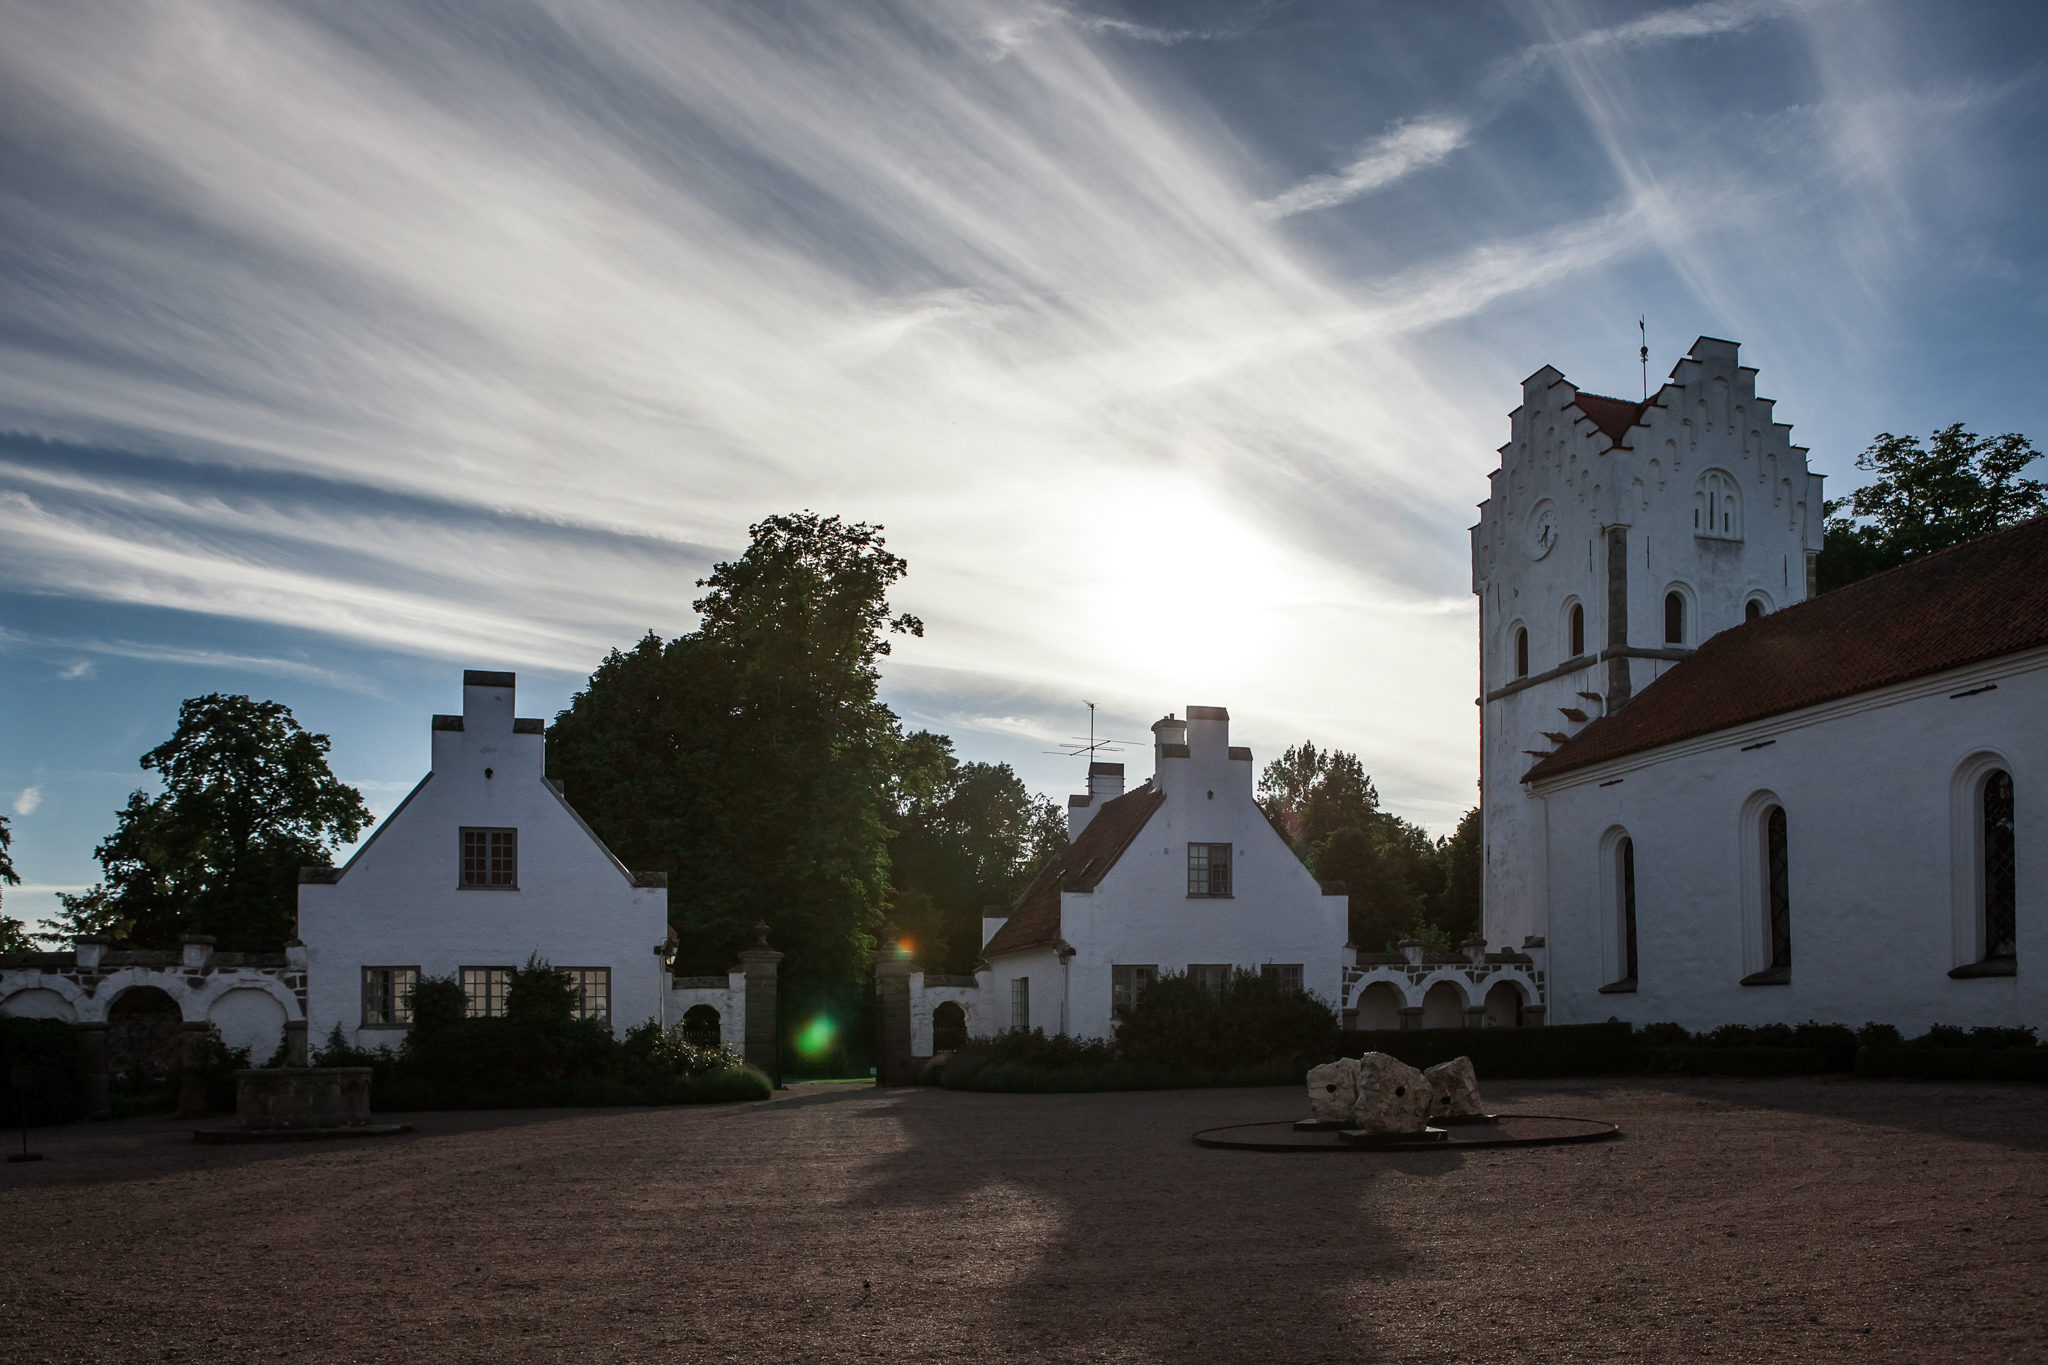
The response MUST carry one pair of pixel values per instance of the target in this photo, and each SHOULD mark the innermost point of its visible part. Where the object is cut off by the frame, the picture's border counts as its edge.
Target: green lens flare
(817, 1037)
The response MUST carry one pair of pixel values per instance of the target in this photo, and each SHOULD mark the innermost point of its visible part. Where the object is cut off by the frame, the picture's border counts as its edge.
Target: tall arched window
(2001, 868)
(1778, 888)
(1628, 904)
(1521, 652)
(1578, 630)
(1674, 619)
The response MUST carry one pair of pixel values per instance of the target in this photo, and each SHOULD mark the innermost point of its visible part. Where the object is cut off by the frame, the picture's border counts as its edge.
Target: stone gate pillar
(192, 1075)
(92, 1053)
(763, 1047)
(893, 1062)
(295, 1047)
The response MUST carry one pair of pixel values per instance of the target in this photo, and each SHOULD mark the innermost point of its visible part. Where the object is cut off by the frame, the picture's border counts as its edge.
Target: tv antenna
(1092, 746)
(1644, 331)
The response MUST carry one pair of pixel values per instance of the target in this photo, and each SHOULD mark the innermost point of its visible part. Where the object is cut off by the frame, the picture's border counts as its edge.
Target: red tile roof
(1975, 601)
(1612, 415)
(1034, 920)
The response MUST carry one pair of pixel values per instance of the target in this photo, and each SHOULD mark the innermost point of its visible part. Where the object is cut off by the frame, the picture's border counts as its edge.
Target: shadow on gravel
(2011, 1114)
(1126, 1236)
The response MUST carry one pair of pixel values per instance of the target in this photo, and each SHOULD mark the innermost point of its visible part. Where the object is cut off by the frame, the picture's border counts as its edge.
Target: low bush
(1252, 1021)
(55, 1090)
(1509, 1053)
(1954, 1063)
(1736, 1060)
(538, 1055)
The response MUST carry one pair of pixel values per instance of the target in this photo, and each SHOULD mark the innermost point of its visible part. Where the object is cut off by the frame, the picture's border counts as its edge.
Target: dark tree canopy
(751, 759)
(14, 936)
(1925, 499)
(1324, 804)
(966, 836)
(248, 800)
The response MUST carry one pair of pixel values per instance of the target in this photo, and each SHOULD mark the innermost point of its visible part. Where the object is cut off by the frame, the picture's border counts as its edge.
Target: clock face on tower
(1543, 530)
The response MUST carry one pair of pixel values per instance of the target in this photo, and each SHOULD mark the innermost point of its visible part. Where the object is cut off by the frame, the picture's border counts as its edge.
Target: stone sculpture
(1454, 1090)
(1393, 1097)
(1333, 1090)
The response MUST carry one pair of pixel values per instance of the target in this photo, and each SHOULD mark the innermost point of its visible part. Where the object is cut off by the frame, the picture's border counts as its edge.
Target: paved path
(1777, 1220)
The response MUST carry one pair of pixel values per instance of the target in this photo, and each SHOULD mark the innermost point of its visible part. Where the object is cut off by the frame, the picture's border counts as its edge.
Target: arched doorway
(1503, 1007)
(702, 1026)
(1443, 1007)
(144, 1046)
(1379, 1006)
(949, 1027)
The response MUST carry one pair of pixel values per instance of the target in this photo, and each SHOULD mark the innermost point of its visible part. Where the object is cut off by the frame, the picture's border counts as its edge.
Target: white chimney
(1105, 782)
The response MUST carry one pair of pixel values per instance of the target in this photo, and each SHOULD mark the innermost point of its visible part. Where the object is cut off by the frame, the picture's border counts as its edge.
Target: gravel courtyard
(1803, 1220)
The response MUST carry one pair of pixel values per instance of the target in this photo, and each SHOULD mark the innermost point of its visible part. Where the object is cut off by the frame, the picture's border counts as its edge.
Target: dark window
(1127, 986)
(1210, 976)
(1521, 653)
(1753, 612)
(1020, 1002)
(490, 857)
(949, 1027)
(484, 988)
(1208, 869)
(593, 991)
(1779, 885)
(387, 994)
(1288, 974)
(1628, 908)
(2001, 868)
(702, 1026)
(1674, 619)
(1578, 630)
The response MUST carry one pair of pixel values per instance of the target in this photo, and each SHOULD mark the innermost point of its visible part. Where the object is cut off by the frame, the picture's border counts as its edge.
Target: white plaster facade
(1125, 901)
(1612, 516)
(727, 994)
(402, 901)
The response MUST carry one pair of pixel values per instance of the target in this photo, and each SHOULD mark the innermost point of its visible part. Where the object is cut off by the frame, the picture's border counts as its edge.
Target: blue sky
(344, 347)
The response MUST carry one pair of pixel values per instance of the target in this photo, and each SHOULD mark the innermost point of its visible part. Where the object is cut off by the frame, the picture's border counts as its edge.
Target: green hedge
(56, 1088)
(1954, 1064)
(1735, 1061)
(1509, 1053)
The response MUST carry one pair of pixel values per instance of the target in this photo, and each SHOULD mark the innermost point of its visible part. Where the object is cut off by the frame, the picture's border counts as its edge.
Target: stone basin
(303, 1097)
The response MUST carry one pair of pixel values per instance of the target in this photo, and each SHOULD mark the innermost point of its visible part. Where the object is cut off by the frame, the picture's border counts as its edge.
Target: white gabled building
(482, 866)
(1185, 873)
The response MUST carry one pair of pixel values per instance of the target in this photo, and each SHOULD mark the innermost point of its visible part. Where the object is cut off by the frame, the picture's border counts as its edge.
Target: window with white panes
(1127, 985)
(1288, 974)
(1208, 869)
(1020, 1002)
(593, 991)
(490, 857)
(485, 989)
(387, 995)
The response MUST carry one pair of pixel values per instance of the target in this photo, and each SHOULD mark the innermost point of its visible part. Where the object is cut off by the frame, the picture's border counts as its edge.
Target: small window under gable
(490, 857)
(1208, 869)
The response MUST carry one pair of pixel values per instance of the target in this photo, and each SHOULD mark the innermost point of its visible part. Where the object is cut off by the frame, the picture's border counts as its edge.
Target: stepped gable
(1972, 602)
(1614, 416)
(1034, 921)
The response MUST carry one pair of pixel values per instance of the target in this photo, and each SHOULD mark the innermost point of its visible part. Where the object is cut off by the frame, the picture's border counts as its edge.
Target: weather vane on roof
(1092, 745)
(1644, 330)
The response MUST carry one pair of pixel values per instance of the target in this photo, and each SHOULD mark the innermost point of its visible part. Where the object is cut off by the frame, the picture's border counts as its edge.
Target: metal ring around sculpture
(1538, 1130)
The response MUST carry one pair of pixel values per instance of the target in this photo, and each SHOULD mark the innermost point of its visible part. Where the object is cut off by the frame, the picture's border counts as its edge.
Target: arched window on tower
(1753, 610)
(1674, 618)
(1578, 630)
(1777, 902)
(1717, 506)
(1521, 652)
(2001, 869)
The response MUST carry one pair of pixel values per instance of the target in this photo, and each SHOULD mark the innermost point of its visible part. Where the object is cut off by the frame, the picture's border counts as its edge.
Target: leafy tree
(14, 935)
(751, 759)
(1324, 803)
(967, 835)
(1463, 858)
(1925, 499)
(248, 800)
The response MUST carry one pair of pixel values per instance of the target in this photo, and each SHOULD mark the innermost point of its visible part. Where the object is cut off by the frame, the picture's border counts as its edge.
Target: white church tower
(1618, 536)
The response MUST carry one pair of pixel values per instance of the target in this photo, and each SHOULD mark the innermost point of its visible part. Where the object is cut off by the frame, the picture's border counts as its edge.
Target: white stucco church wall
(408, 901)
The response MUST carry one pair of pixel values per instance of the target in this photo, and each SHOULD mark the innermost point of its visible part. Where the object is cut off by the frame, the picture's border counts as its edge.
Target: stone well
(303, 1097)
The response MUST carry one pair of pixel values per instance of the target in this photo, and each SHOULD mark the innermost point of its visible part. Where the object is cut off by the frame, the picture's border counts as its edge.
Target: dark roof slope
(1972, 602)
(1035, 919)
(1612, 415)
